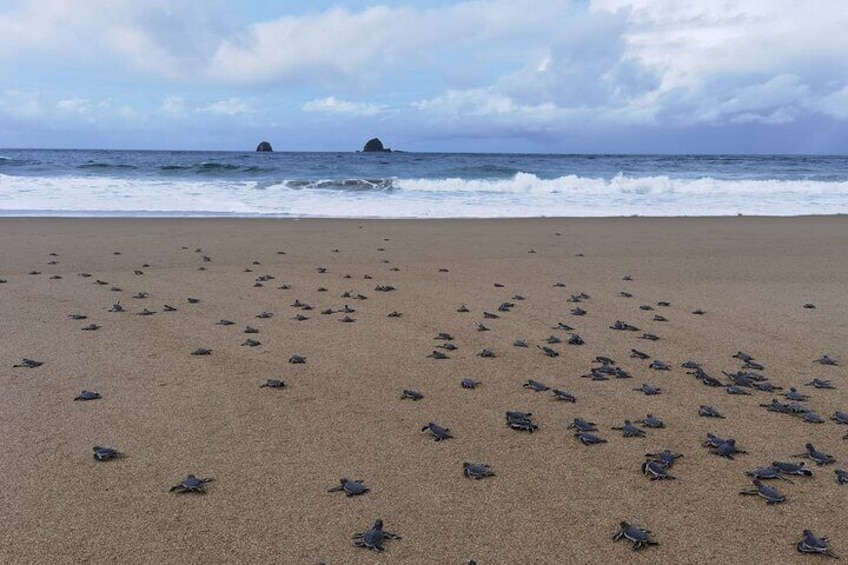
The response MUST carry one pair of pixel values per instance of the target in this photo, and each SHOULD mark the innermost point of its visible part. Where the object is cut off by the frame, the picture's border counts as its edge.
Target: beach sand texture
(275, 453)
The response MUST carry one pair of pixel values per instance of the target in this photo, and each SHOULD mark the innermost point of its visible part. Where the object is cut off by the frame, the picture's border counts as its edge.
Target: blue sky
(601, 76)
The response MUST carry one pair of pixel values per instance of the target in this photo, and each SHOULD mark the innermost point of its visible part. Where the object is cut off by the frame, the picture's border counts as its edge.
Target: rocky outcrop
(375, 146)
(264, 147)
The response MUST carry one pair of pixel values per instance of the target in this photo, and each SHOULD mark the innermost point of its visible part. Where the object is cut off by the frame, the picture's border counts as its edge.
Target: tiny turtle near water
(587, 438)
(789, 468)
(648, 390)
(583, 425)
(651, 421)
(666, 457)
(841, 476)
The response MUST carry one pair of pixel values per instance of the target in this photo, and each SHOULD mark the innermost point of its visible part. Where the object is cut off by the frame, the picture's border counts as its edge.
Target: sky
(540, 76)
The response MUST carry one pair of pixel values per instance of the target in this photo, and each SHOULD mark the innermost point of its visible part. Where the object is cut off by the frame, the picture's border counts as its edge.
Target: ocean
(93, 183)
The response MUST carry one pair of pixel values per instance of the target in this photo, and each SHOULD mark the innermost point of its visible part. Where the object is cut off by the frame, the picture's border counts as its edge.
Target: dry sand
(274, 453)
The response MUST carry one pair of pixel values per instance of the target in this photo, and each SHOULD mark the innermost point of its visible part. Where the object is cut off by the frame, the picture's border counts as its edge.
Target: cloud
(229, 107)
(74, 105)
(333, 105)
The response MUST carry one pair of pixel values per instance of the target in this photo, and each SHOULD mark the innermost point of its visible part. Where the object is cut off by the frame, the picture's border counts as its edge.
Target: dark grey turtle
(300, 318)
(656, 471)
(90, 328)
(350, 487)
(841, 476)
(651, 421)
(551, 340)
(575, 339)
(819, 457)
(658, 318)
(840, 417)
(727, 449)
(564, 396)
(812, 544)
(587, 438)
(793, 394)
(411, 394)
(826, 360)
(88, 395)
(629, 430)
(469, 383)
(463, 309)
(116, 307)
(167, 308)
(658, 365)
(563, 326)
(273, 383)
(250, 330)
(789, 468)
(649, 337)
(106, 453)
(395, 314)
(224, 323)
(521, 343)
(444, 336)
(578, 311)
(812, 418)
(709, 411)
(448, 346)
(795, 408)
(477, 470)
(771, 494)
(251, 343)
(490, 316)
(347, 319)
(821, 383)
(636, 354)
(481, 327)
(705, 378)
(192, 300)
(347, 309)
(145, 312)
(713, 441)
(536, 386)
(438, 355)
(753, 365)
(77, 316)
(776, 406)
(141, 295)
(665, 457)
(202, 351)
(487, 353)
(297, 359)
(623, 326)
(625, 294)
(438, 432)
(743, 356)
(648, 390)
(736, 389)
(374, 538)
(583, 425)
(548, 351)
(640, 537)
(691, 365)
(264, 315)
(521, 421)
(646, 307)
(767, 387)
(192, 484)
(699, 312)
(767, 473)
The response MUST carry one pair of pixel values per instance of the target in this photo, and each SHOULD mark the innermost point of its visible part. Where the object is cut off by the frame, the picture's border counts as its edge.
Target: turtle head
(378, 524)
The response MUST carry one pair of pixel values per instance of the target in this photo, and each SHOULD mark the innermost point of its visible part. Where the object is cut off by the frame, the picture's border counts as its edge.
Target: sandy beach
(274, 453)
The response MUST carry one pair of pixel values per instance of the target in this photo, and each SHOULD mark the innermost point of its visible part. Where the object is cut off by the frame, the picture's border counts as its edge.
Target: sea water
(415, 185)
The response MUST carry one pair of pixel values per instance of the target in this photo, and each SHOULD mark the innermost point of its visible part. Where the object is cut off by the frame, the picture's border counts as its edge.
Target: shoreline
(275, 453)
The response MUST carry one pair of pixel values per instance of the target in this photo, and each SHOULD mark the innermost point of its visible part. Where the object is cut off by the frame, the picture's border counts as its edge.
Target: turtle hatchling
(350, 487)
(767, 473)
(821, 383)
(587, 438)
(819, 457)
(192, 484)
(583, 425)
(771, 494)
(656, 471)
(438, 355)
(202, 351)
(521, 343)
(477, 470)
(297, 359)
(709, 411)
(411, 395)
(374, 538)
(564, 396)
(273, 383)
(548, 351)
(727, 449)
(840, 417)
(648, 390)
(812, 544)
(536, 386)
(87, 395)
(106, 453)
(640, 537)
(789, 468)
(666, 457)
(658, 365)
(841, 476)
(826, 360)
(469, 383)
(651, 421)
(439, 433)
(629, 430)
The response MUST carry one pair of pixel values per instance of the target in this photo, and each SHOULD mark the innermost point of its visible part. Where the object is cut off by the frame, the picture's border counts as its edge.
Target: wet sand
(275, 453)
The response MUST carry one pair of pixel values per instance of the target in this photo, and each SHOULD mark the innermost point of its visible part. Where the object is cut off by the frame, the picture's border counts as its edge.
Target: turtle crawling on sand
(106, 453)
(192, 484)
(350, 487)
(439, 433)
(639, 536)
(477, 470)
(771, 494)
(812, 544)
(88, 395)
(374, 538)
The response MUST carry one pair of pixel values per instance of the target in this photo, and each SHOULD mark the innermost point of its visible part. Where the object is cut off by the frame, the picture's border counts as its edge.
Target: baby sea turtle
(636, 354)
(658, 365)
(106, 453)
(90, 328)
(666, 457)
(583, 425)
(374, 538)
(575, 339)
(395, 314)
(819, 457)
(87, 395)
(411, 394)
(521, 421)
(536, 386)
(840, 417)
(251, 343)
(77, 316)
(812, 418)
(551, 340)
(487, 353)
(224, 323)
(202, 351)
(789, 468)
(841, 476)
(587, 438)
(793, 394)
(564, 396)
(623, 326)
(548, 351)
(649, 337)
(736, 389)
(439, 433)
(192, 300)
(648, 390)
(640, 537)
(771, 494)
(297, 359)
(629, 430)
(300, 318)
(250, 330)
(273, 383)
(448, 346)
(444, 336)
(116, 307)
(810, 543)
(28, 364)
(651, 421)
(826, 360)
(481, 327)
(727, 449)
(469, 383)
(438, 355)
(767, 473)
(490, 316)
(709, 411)
(656, 471)
(520, 343)
(477, 470)
(821, 383)
(350, 487)
(463, 308)
(192, 484)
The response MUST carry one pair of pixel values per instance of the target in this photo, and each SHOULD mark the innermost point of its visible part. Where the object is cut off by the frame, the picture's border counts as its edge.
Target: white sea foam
(523, 195)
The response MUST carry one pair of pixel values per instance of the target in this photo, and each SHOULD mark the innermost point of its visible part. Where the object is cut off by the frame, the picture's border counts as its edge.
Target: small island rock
(375, 146)
(264, 147)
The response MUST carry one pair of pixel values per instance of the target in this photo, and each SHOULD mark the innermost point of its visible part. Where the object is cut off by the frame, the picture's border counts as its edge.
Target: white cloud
(229, 107)
(173, 105)
(333, 105)
(74, 105)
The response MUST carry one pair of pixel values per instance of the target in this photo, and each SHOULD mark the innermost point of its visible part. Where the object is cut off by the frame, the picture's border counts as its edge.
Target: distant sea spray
(415, 185)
